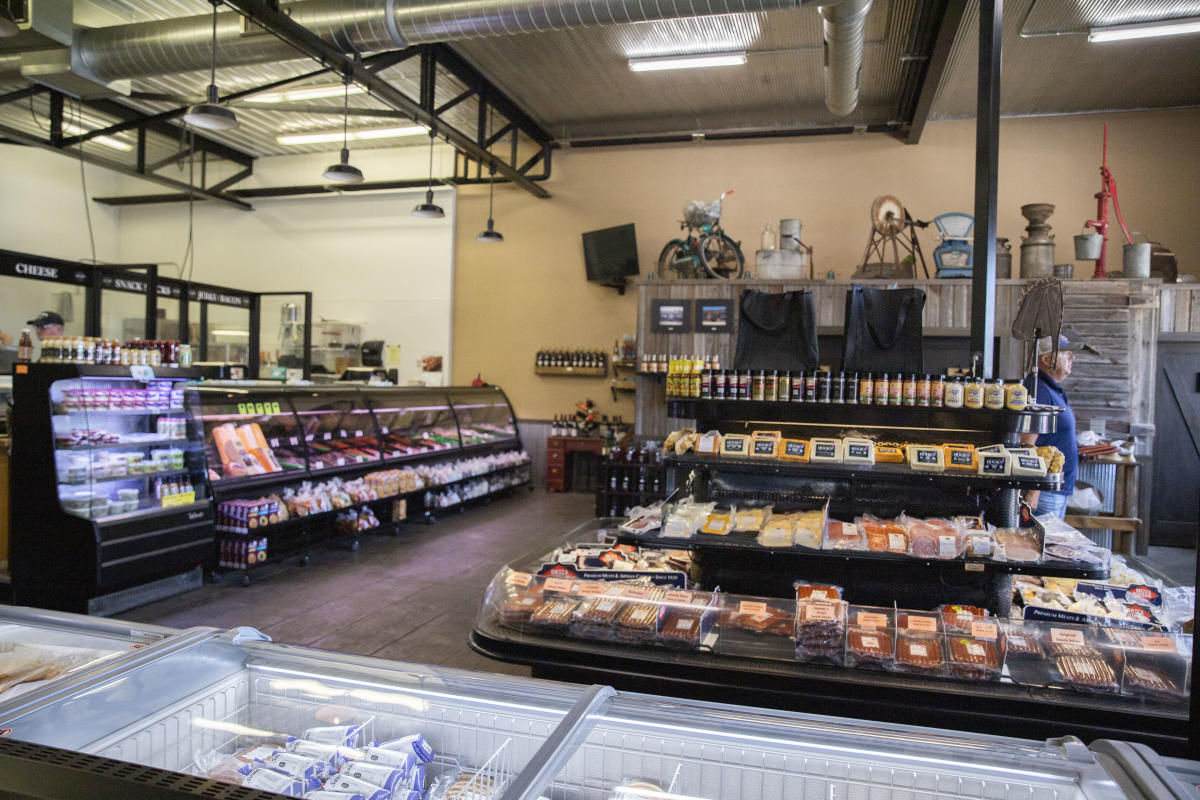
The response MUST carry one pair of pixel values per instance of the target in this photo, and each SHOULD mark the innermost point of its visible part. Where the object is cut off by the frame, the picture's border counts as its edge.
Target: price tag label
(1159, 644)
(638, 592)
(985, 630)
(293, 441)
(924, 624)
(140, 373)
(868, 619)
(172, 500)
(975, 650)
(734, 444)
(1065, 636)
(591, 588)
(384, 430)
(342, 433)
(679, 597)
(558, 585)
(520, 578)
(754, 608)
(947, 547)
(870, 642)
(308, 437)
(358, 434)
(820, 612)
(327, 436)
(272, 443)
(897, 543)
(919, 650)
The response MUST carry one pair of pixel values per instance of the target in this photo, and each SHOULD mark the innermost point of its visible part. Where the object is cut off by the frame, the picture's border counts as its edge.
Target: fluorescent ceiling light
(306, 93)
(1145, 30)
(325, 137)
(688, 62)
(229, 333)
(107, 141)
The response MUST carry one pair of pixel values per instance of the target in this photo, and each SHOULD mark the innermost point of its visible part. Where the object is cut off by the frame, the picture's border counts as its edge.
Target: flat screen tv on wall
(611, 255)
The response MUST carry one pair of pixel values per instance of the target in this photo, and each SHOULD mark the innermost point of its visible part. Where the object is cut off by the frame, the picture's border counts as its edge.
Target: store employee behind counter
(1052, 370)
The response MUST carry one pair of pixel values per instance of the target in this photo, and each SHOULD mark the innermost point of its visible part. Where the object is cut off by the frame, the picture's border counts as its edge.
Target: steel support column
(987, 156)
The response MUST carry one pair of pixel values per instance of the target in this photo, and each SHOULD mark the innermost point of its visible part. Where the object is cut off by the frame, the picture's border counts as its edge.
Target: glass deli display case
(229, 709)
(293, 465)
(111, 474)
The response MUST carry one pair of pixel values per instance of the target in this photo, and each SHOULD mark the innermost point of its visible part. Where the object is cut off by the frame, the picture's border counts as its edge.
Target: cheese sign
(927, 455)
(994, 464)
(1029, 463)
(962, 458)
(825, 450)
(734, 444)
(858, 451)
(764, 447)
(797, 448)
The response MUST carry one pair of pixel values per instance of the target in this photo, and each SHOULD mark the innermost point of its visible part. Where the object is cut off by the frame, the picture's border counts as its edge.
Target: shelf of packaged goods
(1037, 419)
(989, 707)
(176, 442)
(76, 413)
(745, 544)
(478, 497)
(583, 372)
(151, 511)
(900, 473)
(138, 476)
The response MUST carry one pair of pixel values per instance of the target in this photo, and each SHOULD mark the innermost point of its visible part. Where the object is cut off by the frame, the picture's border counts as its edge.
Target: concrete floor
(412, 597)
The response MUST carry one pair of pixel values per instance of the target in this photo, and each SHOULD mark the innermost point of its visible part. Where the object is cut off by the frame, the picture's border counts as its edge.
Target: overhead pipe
(183, 44)
(844, 26)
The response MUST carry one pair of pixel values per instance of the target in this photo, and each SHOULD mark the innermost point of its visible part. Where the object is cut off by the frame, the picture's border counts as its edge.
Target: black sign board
(797, 448)
(995, 464)
(670, 316)
(734, 445)
(825, 450)
(23, 265)
(1029, 462)
(764, 447)
(858, 451)
(927, 456)
(962, 458)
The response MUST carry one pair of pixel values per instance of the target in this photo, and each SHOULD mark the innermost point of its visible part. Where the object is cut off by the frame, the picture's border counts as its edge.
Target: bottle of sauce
(973, 393)
(706, 383)
(993, 395)
(896, 390)
(798, 387)
(758, 385)
(937, 391)
(954, 392)
(852, 389)
(866, 387)
(770, 385)
(881, 389)
(1016, 396)
(823, 387)
(910, 390)
(25, 347)
(837, 388)
(810, 387)
(697, 371)
(784, 389)
(743, 384)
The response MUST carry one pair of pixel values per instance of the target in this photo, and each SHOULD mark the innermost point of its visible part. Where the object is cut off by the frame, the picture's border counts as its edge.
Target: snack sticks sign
(672, 580)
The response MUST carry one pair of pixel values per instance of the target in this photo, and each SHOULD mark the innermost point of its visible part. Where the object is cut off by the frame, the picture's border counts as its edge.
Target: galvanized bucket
(1088, 246)
(1136, 260)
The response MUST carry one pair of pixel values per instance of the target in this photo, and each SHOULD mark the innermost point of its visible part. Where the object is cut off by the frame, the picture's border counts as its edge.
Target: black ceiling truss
(935, 25)
(432, 57)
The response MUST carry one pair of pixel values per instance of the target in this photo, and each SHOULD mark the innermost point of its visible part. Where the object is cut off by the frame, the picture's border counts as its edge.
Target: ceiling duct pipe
(844, 25)
(184, 44)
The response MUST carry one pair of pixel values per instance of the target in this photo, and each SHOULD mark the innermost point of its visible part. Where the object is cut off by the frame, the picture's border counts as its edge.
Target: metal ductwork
(184, 44)
(844, 25)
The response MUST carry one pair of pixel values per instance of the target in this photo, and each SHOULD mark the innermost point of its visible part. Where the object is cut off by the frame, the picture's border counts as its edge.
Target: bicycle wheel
(721, 256)
(676, 260)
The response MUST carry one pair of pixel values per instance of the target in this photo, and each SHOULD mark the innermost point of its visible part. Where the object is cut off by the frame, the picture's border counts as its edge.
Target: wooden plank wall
(1179, 308)
(1118, 317)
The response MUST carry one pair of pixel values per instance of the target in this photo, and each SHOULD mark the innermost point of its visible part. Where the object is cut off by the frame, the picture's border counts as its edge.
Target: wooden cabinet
(557, 468)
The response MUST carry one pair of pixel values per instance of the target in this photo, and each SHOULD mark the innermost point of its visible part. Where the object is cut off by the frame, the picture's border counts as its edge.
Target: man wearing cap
(46, 325)
(1053, 368)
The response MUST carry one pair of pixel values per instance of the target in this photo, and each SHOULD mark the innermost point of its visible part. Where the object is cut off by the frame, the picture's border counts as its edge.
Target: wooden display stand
(557, 448)
(1123, 521)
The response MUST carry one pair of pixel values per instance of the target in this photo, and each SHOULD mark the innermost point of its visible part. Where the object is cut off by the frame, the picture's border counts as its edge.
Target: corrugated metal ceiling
(1049, 67)
(577, 84)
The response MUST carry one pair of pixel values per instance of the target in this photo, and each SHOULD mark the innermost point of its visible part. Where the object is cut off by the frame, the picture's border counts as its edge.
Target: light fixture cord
(346, 116)
(432, 136)
(491, 165)
(213, 72)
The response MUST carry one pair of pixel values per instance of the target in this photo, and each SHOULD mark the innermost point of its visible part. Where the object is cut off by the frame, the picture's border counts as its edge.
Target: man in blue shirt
(1052, 369)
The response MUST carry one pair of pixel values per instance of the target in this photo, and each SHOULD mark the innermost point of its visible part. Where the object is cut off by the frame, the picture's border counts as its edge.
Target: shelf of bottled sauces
(110, 352)
(688, 378)
(582, 359)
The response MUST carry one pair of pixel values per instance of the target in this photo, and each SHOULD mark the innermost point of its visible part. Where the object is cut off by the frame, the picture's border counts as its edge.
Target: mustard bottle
(973, 393)
(1016, 396)
(993, 395)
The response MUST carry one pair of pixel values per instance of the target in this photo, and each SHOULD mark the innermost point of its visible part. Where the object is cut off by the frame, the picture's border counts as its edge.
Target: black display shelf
(133, 477)
(951, 478)
(119, 412)
(982, 707)
(178, 443)
(1038, 419)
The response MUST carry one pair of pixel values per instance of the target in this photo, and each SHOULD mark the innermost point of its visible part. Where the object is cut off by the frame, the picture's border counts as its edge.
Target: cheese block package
(960, 456)
(843, 536)
(751, 519)
(889, 453)
(764, 444)
(857, 450)
(794, 450)
(995, 465)
(828, 451)
(926, 458)
(1028, 465)
(709, 443)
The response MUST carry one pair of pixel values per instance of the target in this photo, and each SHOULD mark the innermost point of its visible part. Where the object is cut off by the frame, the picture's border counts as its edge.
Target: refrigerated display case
(114, 508)
(291, 466)
(189, 719)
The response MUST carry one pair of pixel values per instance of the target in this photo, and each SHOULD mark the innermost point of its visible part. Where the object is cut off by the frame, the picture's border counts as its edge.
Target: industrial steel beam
(172, 130)
(933, 69)
(21, 137)
(271, 18)
(987, 157)
(272, 191)
(21, 94)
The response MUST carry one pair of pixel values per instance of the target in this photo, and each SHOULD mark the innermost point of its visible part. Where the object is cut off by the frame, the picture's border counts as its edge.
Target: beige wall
(530, 292)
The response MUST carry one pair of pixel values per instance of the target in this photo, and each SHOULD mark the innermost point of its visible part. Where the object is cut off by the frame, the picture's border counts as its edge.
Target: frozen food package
(973, 659)
(817, 591)
(310, 770)
(271, 781)
(396, 759)
(341, 735)
(348, 783)
(820, 631)
(228, 768)
(384, 776)
(334, 755)
(414, 742)
(919, 654)
(958, 618)
(779, 531)
(869, 647)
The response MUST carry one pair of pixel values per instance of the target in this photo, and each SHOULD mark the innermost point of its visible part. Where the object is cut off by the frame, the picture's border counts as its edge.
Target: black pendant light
(210, 115)
(342, 172)
(429, 209)
(490, 234)
(8, 23)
